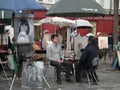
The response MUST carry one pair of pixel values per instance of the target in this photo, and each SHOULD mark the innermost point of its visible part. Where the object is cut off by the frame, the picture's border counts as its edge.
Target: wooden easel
(104, 47)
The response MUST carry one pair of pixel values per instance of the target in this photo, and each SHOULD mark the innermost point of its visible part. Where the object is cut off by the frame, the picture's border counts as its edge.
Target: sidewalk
(109, 80)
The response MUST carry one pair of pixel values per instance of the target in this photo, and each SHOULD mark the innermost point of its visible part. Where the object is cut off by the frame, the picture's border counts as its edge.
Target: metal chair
(2, 63)
(91, 72)
(52, 72)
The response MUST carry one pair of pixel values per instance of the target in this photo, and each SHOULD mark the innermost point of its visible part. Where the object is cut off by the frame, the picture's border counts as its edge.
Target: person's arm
(83, 57)
(60, 53)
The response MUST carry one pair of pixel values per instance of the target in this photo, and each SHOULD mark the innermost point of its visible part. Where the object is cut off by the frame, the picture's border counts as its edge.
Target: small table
(3, 61)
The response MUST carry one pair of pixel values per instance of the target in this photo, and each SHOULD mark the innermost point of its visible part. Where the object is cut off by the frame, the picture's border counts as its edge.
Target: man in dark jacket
(88, 54)
(110, 42)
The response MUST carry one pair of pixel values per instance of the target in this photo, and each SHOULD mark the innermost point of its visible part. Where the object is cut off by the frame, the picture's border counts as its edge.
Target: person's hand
(80, 45)
(60, 61)
(9, 51)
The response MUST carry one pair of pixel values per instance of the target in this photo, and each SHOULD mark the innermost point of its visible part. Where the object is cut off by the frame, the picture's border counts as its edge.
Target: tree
(116, 14)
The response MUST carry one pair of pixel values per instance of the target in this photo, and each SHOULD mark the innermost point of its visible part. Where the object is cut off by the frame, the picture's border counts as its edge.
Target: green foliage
(116, 47)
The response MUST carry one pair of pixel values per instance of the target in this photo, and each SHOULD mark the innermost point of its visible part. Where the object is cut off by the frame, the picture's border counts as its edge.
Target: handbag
(10, 61)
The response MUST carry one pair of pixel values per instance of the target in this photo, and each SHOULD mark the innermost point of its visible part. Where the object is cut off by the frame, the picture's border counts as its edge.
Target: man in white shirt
(54, 55)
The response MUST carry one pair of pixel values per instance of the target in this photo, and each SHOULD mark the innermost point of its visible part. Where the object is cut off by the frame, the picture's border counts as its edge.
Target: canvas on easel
(23, 28)
(103, 42)
(32, 74)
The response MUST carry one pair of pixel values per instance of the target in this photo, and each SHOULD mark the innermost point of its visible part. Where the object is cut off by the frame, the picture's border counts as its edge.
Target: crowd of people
(52, 44)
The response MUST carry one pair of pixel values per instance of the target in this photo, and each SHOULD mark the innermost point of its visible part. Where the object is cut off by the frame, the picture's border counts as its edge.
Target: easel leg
(46, 82)
(5, 74)
(12, 81)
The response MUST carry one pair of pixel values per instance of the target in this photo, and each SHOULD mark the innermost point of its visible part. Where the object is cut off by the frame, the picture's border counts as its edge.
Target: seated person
(54, 55)
(37, 56)
(88, 54)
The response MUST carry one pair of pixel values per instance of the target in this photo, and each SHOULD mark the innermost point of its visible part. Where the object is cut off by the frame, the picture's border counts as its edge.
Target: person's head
(46, 32)
(24, 26)
(29, 67)
(54, 38)
(110, 34)
(91, 39)
(7, 31)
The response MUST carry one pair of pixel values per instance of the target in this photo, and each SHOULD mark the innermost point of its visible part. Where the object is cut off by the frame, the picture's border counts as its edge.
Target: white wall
(106, 3)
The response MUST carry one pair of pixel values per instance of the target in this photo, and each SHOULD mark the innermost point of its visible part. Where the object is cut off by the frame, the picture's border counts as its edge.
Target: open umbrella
(16, 5)
(82, 23)
(76, 8)
(57, 21)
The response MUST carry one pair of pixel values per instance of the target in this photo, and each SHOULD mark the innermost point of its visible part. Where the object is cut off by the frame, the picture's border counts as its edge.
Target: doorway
(63, 32)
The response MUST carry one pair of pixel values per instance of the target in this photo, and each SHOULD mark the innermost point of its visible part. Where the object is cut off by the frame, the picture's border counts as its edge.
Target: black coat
(9, 43)
(89, 53)
(110, 40)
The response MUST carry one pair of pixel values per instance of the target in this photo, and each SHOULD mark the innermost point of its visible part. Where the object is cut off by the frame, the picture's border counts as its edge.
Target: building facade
(101, 24)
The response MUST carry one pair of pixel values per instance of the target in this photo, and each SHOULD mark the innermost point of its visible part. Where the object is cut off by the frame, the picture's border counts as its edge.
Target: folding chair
(2, 63)
(91, 73)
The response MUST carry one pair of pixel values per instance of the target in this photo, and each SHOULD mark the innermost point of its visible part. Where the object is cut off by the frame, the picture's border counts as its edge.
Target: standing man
(7, 40)
(110, 42)
(46, 39)
(54, 55)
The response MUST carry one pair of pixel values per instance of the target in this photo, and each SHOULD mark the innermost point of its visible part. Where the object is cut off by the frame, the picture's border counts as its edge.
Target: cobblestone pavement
(109, 80)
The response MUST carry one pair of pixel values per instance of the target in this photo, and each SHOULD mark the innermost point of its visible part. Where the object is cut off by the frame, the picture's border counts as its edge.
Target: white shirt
(54, 52)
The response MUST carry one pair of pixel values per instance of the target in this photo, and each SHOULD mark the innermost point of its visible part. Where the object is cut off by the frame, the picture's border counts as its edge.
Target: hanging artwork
(24, 29)
(103, 42)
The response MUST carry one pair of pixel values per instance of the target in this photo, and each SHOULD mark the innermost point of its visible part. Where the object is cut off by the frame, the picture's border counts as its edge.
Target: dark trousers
(58, 66)
(78, 72)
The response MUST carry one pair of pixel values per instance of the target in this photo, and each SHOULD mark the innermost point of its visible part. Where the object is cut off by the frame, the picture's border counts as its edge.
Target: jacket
(89, 53)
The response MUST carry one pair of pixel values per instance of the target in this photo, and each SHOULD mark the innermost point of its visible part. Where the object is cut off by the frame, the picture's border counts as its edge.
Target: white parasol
(56, 21)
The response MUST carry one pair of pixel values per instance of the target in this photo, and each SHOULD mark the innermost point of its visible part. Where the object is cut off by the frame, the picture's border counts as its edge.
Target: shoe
(98, 80)
(94, 83)
(59, 82)
(79, 81)
(95, 80)
(68, 80)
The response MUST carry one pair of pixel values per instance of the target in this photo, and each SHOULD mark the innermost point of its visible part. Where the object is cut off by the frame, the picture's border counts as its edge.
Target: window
(49, 1)
(39, 0)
